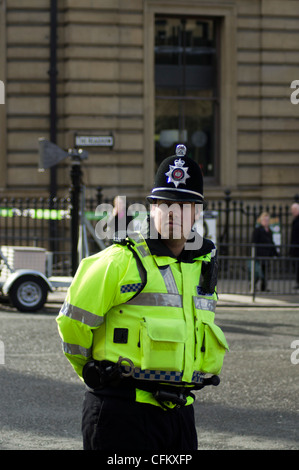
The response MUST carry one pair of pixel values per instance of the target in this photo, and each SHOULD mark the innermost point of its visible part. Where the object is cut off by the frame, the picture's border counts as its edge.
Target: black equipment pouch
(178, 399)
(98, 374)
(178, 396)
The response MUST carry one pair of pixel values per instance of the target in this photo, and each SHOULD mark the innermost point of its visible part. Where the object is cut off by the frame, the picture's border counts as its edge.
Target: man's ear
(153, 208)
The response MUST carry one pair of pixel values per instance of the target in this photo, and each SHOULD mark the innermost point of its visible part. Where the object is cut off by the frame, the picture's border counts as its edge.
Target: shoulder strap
(141, 269)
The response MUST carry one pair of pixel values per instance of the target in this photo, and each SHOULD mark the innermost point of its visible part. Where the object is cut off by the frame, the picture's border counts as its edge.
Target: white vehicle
(26, 288)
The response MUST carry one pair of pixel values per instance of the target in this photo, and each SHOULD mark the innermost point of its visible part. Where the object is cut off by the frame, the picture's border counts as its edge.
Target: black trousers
(120, 424)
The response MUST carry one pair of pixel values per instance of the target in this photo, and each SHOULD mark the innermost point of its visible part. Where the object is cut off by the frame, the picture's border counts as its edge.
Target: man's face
(174, 220)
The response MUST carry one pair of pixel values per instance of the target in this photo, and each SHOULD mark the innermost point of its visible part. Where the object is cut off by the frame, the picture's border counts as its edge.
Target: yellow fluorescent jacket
(167, 330)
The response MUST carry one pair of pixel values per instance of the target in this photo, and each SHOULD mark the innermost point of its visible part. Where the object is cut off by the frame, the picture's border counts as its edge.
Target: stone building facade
(215, 75)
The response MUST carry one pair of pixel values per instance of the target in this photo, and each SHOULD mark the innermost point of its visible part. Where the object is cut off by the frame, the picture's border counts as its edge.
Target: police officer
(138, 325)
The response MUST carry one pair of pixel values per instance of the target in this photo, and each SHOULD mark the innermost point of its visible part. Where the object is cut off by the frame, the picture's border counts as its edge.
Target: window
(186, 88)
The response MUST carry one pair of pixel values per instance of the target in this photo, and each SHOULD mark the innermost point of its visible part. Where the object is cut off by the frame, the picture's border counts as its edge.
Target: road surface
(256, 405)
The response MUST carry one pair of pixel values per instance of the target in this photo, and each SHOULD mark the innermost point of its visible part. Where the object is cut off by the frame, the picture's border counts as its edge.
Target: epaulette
(120, 241)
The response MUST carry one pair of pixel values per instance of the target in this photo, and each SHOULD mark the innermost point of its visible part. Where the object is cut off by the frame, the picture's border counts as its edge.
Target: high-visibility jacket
(167, 330)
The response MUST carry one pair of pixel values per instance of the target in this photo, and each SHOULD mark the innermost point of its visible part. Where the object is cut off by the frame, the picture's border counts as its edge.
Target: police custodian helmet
(178, 178)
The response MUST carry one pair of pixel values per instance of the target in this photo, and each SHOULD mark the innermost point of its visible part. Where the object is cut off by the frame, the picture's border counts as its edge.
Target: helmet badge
(177, 173)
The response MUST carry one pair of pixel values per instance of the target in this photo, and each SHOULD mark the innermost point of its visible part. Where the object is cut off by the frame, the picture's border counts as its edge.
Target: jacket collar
(158, 248)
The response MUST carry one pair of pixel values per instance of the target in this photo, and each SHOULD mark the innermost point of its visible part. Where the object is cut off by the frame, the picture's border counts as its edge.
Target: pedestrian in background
(262, 238)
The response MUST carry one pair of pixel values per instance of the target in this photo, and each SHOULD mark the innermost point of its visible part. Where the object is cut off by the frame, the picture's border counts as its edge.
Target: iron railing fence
(38, 222)
(236, 221)
(251, 275)
(46, 223)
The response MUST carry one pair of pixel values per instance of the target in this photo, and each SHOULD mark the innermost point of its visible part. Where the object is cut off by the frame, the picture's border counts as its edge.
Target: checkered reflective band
(162, 375)
(197, 376)
(130, 287)
(147, 374)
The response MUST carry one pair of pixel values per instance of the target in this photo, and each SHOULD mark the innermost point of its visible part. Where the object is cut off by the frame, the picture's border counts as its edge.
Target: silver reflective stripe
(169, 280)
(156, 299)
(143, 250)
(75, 349)
(81, 315)
(205, 304)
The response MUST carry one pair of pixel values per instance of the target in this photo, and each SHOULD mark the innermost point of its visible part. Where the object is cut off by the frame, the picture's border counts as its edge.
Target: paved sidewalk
(258, 301)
